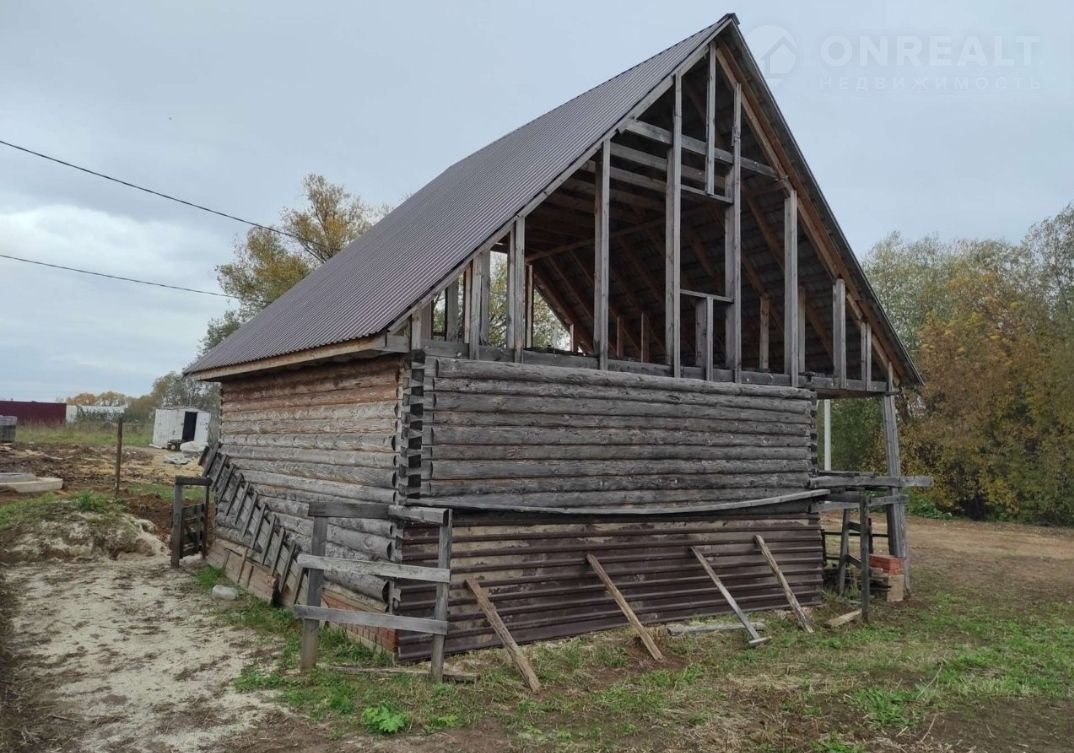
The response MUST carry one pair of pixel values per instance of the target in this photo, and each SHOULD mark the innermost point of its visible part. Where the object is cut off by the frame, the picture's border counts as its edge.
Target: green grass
(90, 433)
(45, 507)
(832, 692)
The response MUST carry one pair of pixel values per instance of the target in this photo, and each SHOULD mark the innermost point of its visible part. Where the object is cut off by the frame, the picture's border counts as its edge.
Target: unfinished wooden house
(707, 297)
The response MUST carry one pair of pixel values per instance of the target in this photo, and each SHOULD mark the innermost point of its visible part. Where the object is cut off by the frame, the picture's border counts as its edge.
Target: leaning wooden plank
(371, 619)
(449, 674)
(803, 619)
(621, 601)
(383, 569)
(513, 651)
(710, 627)
(755, 638)
(443, 592)
(844, 618)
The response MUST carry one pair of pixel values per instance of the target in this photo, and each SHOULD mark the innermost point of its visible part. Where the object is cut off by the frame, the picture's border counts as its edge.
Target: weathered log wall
(535, 570)
(322, 433)
(498, 435)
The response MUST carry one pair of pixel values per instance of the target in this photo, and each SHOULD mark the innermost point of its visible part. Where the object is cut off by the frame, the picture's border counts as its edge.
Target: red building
(33, 412)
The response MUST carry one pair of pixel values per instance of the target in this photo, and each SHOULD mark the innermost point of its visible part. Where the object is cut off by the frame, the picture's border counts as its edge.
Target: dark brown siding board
(534, 568)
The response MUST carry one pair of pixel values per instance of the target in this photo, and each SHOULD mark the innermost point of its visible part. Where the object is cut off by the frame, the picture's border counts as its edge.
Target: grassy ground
(91, 433)
(951, 670)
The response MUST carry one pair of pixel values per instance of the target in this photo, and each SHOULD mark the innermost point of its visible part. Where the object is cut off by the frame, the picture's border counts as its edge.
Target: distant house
(33, 412)
(669, 220)
(100, 412)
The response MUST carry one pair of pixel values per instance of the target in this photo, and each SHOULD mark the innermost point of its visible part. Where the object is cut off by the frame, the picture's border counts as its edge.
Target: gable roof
(381, 275)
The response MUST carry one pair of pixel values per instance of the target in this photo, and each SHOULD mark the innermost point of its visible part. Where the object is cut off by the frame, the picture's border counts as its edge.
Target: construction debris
(28, 483)
(843, 619)
(710, 627)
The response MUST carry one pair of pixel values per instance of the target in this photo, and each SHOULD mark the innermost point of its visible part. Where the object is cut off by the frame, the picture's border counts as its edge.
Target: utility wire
(169, 197)
(114, 277)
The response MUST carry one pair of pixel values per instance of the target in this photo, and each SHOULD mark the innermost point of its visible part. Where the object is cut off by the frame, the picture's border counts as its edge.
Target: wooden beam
(617, 596)
(866, 332)
(513, 651)
(644, 337)
(755, 637)
(710, 121)
(516, 285)
(802, 342)
(733, 246)
(530, 303)
(672, 239)
(896, 514)
(443, 592)
(762, 338)
(485, 292)
(839, 332)
(705, 335)
(314, 584)
(600, 254)
(697, 146)
(803, 619)
(790, 287)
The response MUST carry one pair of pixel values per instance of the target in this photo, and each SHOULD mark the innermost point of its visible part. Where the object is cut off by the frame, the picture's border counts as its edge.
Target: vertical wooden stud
(790, 286)
(314, 585)
(866, 353)
(672, 239)
(763, 335)
(644, 337)
(440, 611)
(530, 301)
(733, 247)
(896, 513)
(710, 122)
(516, 289)
(600, 254)
(451, 312)
(839, 332)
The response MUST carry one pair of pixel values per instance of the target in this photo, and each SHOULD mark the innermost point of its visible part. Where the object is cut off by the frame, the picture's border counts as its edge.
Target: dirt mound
(79, 528)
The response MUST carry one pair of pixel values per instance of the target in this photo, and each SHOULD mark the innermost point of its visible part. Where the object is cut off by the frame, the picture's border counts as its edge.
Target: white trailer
(175, 426)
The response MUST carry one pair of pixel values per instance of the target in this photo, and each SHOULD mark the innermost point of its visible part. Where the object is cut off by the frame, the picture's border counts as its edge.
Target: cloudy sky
(955, 119)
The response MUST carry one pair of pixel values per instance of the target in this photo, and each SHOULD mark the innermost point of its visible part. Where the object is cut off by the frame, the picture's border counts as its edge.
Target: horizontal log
(507, 469)
(360, 390)
(378, 478)
(625, 483)
(544, 436)
(328, 413)
(366, 442)
(570, 420)
(371, 619)
(612, 452)
(300, 378)
(651, 500)
(519, 388)
(328, 457)
(464, 368)
(382, 569)
(499, 404)
(357, 492)
(336, 427)
(296, 504)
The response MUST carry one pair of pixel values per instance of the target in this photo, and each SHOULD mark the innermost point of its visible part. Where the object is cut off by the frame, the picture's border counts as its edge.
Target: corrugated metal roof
(373, 281)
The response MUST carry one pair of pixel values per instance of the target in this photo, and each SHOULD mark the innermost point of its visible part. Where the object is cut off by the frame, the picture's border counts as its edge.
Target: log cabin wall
(327, 432)
(504, 436)
(535, 571)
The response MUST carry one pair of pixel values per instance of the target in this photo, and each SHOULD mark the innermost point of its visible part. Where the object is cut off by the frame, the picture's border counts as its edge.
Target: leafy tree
(109, 398)
(267, 264)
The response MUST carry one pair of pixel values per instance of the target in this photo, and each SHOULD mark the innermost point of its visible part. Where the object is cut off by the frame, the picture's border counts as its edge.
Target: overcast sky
(954, 118)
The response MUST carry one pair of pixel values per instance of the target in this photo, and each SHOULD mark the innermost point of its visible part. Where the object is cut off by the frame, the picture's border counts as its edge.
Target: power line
(114, 277)
(150, 191)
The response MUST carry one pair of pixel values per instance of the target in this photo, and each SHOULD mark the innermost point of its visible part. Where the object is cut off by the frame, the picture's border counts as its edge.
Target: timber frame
(751, 289)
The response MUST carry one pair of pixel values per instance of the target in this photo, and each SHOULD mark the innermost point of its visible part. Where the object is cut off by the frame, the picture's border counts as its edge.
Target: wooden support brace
(513, 651)
(315, 582)
(755, 638)
(440, 610)
(803, 619)
(621, 601)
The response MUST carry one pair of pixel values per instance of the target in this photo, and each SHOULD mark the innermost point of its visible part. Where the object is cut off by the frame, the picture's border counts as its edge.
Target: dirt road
(125, 658)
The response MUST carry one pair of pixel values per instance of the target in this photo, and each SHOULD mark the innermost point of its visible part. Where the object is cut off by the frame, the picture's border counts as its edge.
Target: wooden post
(762, 338)
(451, 312)
(475, 311)
(177, 524)
(801, 330)
(790, 286)
(896, 513)
(601, 208)
(839, 332)
(516, 289)
(844, 553)
(314, 584)
(703, 318)
(485, 292)
(440, 611)
(866, 352)
(864, 532)
(755, 637)
(710, 122)
(417, 329)
(530, 300)
(206, 515)
(624, 607)
(672, 239)
(513, 651)
(827, 434)
(733, 247)
(119, 455)
(803, 620)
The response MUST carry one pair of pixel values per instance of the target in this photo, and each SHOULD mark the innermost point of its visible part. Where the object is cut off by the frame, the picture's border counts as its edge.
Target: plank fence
(190, 523)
